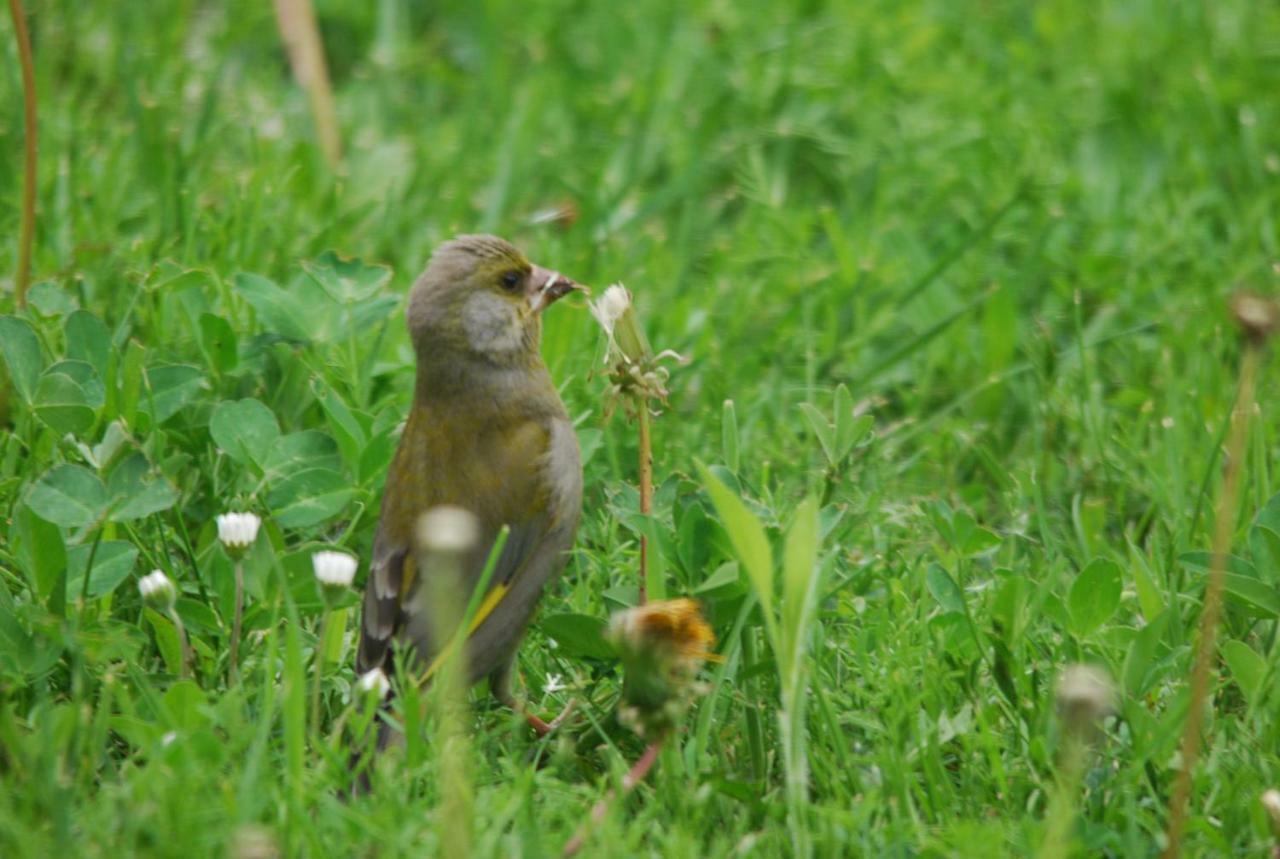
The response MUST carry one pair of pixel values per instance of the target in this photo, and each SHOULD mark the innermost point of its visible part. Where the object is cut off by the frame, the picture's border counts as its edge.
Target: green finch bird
(489, 434)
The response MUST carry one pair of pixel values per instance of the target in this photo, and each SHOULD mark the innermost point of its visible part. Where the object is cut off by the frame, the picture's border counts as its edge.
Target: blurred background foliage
(1006, 229)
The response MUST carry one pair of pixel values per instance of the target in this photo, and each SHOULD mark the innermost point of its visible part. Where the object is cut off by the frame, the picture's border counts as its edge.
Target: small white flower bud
(157, 591)
(237, 531)
(335, 571)
(374, 681)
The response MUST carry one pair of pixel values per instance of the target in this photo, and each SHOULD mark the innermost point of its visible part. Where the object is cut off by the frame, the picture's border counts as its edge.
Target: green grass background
(1009, 229)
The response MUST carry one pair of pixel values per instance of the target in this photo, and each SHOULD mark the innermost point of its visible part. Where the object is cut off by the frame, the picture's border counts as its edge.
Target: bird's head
(481, 298)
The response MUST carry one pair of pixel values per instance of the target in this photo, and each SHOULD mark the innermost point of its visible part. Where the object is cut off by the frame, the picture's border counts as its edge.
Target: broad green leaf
(114, 439)
(799, 571)
(331, 647)
(113, 562)
(68, 495)
(218, 340)
(199, 617)
(978, 540)
(184, 705)
(84, 375)
(40, 551)
(1248, 669)
(135, 491)
(1145, 650)
(578, 635)
(945, 590)
(346, 280)
(343, 426)
(131, 373)
(1150, 600)
(173, 386)
(88, 339)
(1264, 546)
(299, 450)
(372, 311)
(22, 355)
(278, 310)
(693, 539)
(167, 640)
(1269, 515)
(1008, 607)
(746, 533)
(726, 581)
(822, 430)
(49, 299)
(309, 497)
(62, 405)
(1255, 596)
(1095, 595)
(245, 430)
(1204, 561)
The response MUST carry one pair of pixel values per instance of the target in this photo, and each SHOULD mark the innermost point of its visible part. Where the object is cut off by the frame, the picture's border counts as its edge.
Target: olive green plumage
(487, 432)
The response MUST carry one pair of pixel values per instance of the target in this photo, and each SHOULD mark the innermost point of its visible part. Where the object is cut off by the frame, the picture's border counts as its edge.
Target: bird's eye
(511, 280)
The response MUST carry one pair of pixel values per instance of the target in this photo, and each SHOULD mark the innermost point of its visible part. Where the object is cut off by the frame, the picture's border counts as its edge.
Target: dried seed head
(1271, 802)
(446, 529)
(1085, 696)
(1257, 316)
(661, 645)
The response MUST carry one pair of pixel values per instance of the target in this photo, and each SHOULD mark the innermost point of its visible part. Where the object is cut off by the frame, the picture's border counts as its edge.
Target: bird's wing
(381, 615)
(529, 480)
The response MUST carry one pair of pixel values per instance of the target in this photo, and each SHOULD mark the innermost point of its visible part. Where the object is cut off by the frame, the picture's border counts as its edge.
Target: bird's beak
(548, 286)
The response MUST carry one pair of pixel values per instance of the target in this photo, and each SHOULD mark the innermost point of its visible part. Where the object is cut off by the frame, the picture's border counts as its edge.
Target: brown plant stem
(301, 35)
(1224, 525)
(634, 776)
(646, 494)
(26, 229)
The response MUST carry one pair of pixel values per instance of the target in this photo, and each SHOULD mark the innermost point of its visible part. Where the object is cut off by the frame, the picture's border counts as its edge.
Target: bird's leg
(500, 685)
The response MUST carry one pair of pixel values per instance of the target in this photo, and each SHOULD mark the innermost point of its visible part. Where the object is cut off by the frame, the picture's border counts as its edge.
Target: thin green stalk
(88, 567)
(1062, 805)
(755, 727)
(1223, 527)
(185, 667)
(318, 667)
(27, 224)
(237, 620)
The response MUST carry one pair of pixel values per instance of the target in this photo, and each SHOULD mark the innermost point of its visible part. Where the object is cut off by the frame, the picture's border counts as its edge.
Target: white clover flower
(555, 683)
(157, 591)
(448, 529)
(374, 681)
(334, 569)
(237, 531)
(609, 309)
